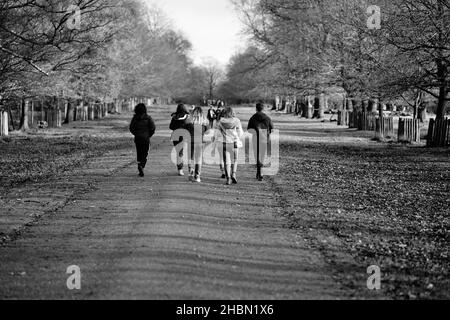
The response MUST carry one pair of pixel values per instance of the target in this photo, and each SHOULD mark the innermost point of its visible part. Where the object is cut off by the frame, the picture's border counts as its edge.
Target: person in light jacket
(228, 134)
(197, 129)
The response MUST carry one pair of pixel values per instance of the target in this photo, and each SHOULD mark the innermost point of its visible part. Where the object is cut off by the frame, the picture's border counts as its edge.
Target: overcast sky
(211, 25)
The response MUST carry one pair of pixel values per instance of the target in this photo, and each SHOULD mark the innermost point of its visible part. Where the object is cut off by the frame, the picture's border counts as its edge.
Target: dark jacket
(143, 128)
(260, 121)
(180, 122)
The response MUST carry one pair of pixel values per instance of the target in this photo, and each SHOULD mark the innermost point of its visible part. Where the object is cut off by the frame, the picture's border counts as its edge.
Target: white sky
(212, 26)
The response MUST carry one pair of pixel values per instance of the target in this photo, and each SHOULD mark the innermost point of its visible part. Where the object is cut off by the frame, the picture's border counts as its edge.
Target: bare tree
(214, 73)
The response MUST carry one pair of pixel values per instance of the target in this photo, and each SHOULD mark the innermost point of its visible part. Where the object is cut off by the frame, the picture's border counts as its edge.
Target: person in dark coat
(261, 126)
(181, 119)
(143, 128)
(211, 116)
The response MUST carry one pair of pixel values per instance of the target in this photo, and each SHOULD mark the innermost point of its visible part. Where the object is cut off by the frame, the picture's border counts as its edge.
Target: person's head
(259, 107)
(140, 110)
(197, 116)
(228, 112)
(182, 110)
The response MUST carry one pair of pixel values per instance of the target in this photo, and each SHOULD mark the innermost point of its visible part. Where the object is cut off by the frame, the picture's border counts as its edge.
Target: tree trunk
(380, 109)
(32, 113)
(24, 116)
(69, 112)
(365, 106)
(442, 103)
(441, 62)
(319, 106)
(11, 118)
(349, 104)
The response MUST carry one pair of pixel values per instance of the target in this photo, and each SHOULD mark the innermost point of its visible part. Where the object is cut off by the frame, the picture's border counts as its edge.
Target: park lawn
(34, 158)
(388, 205)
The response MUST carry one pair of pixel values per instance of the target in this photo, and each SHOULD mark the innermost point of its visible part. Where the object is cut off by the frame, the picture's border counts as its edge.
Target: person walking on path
(218, 145)
(229, 133)
(211, 116)
(197, 129)
(261, 126)
(143, 128)
(180, 120)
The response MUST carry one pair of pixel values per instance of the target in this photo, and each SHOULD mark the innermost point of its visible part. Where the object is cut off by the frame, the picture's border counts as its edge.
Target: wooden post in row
(343, 118)
(439, 133)
(409, 130)
(384, 128)
(4, 123)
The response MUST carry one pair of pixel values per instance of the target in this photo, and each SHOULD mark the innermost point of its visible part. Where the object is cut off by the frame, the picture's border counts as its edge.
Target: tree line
(93, 50)
(365, 50)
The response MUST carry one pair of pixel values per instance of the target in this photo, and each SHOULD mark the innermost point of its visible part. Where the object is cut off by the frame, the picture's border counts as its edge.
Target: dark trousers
(261, 146)
(179, 147)
(142, 149)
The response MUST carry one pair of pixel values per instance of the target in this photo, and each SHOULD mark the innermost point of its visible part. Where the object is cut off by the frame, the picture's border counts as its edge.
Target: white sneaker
(198, 180)
(181, 173)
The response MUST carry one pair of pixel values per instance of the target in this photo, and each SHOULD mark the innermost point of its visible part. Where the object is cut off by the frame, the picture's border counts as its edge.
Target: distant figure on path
(143, 128)
(219, 112)
(229, 134)
(197, 129)
(261, 126)
(218, 145)
(211, 116)
(180, 120)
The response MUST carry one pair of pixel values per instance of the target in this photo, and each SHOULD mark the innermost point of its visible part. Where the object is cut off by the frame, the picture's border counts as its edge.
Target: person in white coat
(228, 134)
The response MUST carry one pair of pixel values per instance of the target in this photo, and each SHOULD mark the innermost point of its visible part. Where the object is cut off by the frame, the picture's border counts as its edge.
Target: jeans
(230, 158)
(196, 161)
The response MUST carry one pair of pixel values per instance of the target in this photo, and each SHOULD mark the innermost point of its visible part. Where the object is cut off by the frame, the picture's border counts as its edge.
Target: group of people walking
(227, 138)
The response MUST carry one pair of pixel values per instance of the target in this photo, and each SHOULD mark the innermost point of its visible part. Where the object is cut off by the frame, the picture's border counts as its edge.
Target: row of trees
(381, 50)
(94, 50)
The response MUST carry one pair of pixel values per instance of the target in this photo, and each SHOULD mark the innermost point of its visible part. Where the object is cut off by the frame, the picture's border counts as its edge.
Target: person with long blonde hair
(197, 129)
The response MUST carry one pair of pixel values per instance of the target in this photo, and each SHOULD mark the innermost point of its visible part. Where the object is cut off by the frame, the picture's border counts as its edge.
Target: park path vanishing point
(163, 237)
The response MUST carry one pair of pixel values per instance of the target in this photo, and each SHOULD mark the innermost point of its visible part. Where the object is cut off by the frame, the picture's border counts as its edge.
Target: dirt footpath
(163, 237)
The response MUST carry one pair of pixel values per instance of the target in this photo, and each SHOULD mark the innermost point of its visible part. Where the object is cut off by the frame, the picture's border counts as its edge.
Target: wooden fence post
(91, 115)
(4, 121)
(439, 133)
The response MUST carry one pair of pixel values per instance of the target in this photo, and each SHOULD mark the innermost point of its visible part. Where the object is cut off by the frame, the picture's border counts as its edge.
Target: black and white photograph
(235, 154)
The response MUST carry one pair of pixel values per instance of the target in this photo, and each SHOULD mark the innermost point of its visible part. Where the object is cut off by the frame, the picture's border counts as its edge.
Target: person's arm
(251, 124)
(172, 125)
(133, 127)
(151, 127)
(271, 127)
(240, 131)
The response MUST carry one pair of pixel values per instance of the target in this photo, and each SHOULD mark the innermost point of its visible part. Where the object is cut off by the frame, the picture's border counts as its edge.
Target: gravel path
(163, 237)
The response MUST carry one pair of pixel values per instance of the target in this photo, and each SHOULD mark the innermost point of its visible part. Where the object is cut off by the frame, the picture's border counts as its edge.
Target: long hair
(181, 110)
(228, 112)
(140, 110)
(197, 116)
